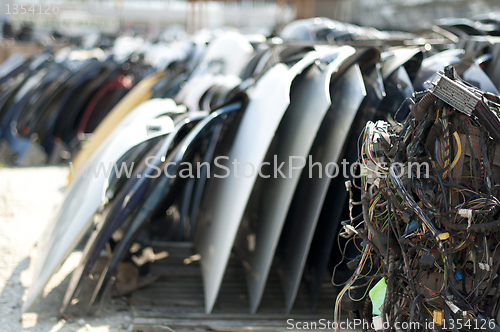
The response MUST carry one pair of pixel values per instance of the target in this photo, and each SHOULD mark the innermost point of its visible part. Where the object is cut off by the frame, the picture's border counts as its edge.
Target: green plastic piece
(377, 295)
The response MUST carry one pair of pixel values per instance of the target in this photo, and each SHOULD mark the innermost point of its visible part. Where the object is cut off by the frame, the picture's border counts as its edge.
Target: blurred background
(48, 21)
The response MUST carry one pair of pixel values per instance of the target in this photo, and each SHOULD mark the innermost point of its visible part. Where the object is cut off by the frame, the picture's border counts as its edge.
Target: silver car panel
(227, 54)
(396, 58)
(347, 96)
(310, 101)
(227, 198)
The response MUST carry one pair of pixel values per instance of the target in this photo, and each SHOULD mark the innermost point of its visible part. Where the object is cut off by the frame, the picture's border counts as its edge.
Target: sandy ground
(28, 199)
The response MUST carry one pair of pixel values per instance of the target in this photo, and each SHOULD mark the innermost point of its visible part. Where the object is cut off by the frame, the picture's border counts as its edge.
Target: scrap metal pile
(228, 97)
(430, 218)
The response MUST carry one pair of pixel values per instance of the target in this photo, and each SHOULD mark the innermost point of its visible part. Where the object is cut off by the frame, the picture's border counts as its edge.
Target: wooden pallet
(175, 302)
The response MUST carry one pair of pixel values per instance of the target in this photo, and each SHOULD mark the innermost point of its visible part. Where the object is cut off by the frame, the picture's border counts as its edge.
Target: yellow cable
(459, 152)
(372, 207)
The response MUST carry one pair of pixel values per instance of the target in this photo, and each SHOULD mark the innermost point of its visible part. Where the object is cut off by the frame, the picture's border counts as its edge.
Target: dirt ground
(28, 199)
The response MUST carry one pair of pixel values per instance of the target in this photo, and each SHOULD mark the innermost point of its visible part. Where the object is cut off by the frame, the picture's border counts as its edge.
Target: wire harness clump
(428, 231)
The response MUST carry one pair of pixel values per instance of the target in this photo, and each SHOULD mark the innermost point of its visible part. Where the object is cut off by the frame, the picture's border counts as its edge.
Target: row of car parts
(231, 95)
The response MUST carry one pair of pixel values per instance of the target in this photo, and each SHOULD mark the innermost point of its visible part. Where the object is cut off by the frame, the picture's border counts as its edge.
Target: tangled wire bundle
(429, 232)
